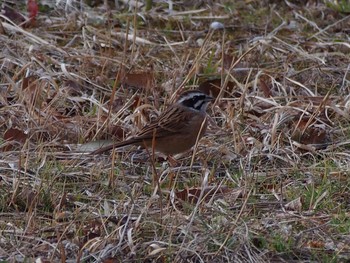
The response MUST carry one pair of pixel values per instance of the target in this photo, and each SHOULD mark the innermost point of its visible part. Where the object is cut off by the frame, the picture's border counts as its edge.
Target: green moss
(339, 5)
(341, 222)
(281, 244)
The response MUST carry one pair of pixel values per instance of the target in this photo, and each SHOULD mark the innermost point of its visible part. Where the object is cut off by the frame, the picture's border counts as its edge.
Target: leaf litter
(269, 182)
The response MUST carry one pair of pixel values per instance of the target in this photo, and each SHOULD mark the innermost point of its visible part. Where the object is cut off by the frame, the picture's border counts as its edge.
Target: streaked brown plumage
(176, 129)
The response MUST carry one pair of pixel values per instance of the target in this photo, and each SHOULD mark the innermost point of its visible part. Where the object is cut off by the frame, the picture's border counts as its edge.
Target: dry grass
(269, 182)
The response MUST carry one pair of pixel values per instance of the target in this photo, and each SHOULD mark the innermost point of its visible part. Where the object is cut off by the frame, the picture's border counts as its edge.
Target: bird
(176, 129)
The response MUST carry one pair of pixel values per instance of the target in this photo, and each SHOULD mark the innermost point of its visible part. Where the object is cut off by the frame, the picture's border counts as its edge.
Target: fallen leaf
(306, 133)
(212, 87)
(139, 80)
(33, 92)
(15, 135)
(264, 87)
(13, 15)
(28, 82)
(315, 244)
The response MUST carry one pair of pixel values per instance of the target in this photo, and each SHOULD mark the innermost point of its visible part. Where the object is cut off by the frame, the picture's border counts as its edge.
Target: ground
(268, 183)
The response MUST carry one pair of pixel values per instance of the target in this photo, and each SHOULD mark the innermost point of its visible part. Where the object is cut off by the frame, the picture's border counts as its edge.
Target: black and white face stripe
(194, 99)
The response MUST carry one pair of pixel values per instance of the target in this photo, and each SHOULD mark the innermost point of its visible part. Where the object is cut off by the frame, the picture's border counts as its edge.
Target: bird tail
(113, 146)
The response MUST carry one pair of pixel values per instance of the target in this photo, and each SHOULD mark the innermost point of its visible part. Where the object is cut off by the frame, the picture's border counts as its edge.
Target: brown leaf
(305, 133)
(33, 92)
(264, 87)
(14, 135)
(212, 87)
(139, 80)
(111, 260)
(315, 244)
(28, 82)
(13, 15)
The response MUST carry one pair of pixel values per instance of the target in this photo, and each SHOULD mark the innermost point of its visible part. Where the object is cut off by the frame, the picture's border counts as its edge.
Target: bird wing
(172, 121)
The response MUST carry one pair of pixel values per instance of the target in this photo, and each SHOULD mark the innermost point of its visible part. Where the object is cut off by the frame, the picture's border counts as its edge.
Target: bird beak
(209, 98)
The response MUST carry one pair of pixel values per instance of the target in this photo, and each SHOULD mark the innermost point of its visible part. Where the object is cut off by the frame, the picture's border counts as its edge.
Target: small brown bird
(176, 129)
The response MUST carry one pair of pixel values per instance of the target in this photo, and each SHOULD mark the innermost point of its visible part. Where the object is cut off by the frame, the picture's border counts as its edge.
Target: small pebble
(216, 25)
